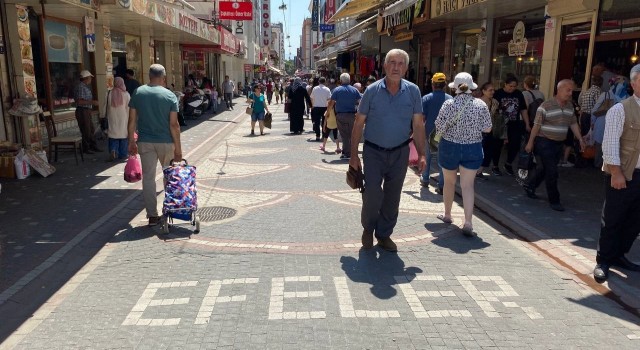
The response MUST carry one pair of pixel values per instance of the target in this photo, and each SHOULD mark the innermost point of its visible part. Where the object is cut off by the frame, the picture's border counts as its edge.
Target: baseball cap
(85, 73)
(439, 78)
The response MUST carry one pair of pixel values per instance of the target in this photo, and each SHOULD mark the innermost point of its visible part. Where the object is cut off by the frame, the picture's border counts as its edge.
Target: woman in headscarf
(298, 95)
(118, 116)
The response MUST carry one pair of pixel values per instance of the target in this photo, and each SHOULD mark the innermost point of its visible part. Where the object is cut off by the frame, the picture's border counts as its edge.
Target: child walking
(329, 126)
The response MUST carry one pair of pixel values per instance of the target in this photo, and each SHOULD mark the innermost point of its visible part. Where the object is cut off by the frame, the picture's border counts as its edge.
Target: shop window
(511, 55)
(618, 36)
(619, 16)
(466, 54)
(64, 51)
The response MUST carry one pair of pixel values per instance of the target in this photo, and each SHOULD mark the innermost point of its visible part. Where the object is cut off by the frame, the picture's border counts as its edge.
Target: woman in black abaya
(298, 94)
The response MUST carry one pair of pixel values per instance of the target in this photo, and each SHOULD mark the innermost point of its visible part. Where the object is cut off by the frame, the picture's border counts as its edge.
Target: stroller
(180, 199)
(195, 105)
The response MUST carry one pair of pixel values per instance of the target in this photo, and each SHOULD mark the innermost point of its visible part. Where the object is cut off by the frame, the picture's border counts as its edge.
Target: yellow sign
(442, 7)
(403, 36)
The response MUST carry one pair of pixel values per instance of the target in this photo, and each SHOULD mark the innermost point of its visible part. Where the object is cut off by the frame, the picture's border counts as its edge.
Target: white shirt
(614, 124)
(320, 96)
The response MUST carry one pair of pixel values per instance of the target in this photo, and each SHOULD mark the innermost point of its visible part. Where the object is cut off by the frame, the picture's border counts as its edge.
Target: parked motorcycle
(194, 105)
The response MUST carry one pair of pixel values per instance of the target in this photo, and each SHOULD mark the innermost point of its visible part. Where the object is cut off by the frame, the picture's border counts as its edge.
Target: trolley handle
(183, 161)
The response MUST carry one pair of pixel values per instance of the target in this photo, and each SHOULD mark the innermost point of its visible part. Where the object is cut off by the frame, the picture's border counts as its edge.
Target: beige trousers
(150, 154)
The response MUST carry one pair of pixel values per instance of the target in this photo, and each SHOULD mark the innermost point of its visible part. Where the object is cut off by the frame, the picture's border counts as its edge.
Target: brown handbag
(355, 179)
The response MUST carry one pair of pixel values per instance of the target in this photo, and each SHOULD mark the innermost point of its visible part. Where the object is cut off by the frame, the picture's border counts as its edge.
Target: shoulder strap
(458, 115)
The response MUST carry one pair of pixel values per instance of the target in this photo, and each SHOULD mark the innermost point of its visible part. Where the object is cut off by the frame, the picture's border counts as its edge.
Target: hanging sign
(327, 27)
(314, 16)
(442, 7)
(90, 33)
(266, 22)
(403, 36)
(518, 45)
(26, 53)
(329, 9)
(237, 11)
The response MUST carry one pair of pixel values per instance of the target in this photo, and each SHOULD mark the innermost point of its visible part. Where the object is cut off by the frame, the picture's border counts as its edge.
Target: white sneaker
(567, 165)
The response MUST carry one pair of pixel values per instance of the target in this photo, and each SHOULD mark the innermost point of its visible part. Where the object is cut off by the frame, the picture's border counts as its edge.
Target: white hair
(345, 78)
(395, 52)
(634, 72)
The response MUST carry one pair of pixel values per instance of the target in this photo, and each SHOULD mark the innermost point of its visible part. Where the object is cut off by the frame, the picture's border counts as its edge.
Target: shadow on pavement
(377, 268)
(460, 244)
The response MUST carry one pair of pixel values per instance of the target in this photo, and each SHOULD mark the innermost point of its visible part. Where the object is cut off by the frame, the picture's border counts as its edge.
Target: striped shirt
(612, 133)
(555, 120)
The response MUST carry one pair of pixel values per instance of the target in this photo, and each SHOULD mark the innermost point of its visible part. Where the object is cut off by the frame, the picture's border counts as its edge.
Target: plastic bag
(22, 167)
(413, 154)
(38, 163)
(133, 169)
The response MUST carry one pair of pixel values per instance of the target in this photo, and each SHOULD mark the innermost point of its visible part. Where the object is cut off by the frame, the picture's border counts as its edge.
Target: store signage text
(518, 45)
(314, 16)
(327, 27)
(442, 7)
(242, 11)
(403, 36)
(266, 22)
(239, 28)
(404, 16)
(329, 9)
(188, 23)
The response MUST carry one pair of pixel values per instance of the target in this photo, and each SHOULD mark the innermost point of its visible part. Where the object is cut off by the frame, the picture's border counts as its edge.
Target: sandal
(322, 148)
(338, 150)
(468, 231)
(444, 219)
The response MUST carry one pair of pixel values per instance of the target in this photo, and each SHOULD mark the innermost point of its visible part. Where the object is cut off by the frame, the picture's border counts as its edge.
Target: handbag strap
(457, 118)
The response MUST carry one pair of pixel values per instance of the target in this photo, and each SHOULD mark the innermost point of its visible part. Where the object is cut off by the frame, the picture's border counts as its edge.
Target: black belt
(385, 149)
(354, 112)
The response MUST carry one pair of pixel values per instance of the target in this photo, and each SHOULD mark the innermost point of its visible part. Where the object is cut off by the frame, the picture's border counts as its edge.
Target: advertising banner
(237, 11)
(314, 16)
(26, 52)
(329, 9)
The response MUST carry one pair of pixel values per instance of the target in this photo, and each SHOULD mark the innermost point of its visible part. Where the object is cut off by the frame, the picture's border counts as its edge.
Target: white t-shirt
(320, 96)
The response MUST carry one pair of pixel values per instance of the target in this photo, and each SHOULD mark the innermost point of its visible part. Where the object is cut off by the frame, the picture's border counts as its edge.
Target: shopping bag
(413, 154)
(268, 119)
(133, 169)
(22, 167)
(40, 165)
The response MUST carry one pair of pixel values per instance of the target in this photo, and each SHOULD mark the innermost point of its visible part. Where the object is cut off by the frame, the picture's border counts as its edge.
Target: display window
(194, 63)
(518, 47)
(63, 44)
(126, 54)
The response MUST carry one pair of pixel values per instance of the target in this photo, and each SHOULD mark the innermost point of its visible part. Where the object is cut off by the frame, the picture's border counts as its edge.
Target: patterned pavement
(280, 268)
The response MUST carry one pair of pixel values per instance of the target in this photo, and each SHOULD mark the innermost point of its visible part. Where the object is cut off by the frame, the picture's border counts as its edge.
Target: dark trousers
(317, 117)
(620, 222)
(269, 96)
(296, 123)
(384, 174)
(492, 149)
(228, 97)
(515, 132)
(85, 124)
(548, 153)
(325, 134)
(345, 126)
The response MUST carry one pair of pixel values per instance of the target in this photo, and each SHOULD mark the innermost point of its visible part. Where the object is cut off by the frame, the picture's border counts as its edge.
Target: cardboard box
(7, 167)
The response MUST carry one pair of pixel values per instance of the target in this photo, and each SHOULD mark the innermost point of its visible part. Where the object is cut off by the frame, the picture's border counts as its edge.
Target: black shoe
(252, 133)
(367, 239)
(424, 183)
(557, 206)
(626, 264)
(531, 193)
(601, 273)
(439, 191)
(508, 169)
(496, 171)
(344, 156)
(481, 176)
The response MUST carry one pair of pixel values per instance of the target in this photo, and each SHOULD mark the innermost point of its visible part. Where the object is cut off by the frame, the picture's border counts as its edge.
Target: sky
(297, 11)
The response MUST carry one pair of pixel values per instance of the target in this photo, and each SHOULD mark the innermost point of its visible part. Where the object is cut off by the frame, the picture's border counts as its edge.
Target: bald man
(552, 121)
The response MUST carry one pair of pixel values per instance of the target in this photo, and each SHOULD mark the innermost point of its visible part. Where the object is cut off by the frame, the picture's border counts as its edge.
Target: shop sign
(397, 18)
(228, 42)
(327, 28)
(403, 36)
(518, 45)
(314, 16)
(247, 68)
(329, 9)
(63, 42)
(442, 7)
(266, 22)
(550, 25)
(237, 11)
(90, 33)
(187, 23)
(88, 4)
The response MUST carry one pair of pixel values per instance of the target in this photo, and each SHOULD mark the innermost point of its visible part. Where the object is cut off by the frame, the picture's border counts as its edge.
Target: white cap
(85, 73)
(463, 78)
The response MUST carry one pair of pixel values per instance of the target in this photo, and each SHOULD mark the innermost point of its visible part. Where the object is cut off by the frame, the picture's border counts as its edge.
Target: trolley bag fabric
(180, 199)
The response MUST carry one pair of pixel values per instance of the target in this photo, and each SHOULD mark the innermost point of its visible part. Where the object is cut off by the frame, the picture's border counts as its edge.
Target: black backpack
(533, 107)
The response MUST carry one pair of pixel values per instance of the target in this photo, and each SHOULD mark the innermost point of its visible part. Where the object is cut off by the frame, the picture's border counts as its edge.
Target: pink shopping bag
(413, 154)
(133, 169)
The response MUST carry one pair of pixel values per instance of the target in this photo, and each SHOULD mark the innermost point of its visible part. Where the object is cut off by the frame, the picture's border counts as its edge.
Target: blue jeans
(255, 116)
(120, 146)
(453, 155)
(427, 170)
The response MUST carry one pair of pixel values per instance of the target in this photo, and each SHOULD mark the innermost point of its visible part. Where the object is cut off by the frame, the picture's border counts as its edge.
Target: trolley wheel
(197, 230)
(165, 226)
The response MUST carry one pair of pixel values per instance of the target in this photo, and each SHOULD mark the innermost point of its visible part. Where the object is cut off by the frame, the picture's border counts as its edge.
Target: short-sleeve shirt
(320, 96)
(472, 116)
(83, 92)
(153, 104)
(346, 97)
(431, 104)
(269, 87)
(389, 117)
(228, 87)
(531, 95)
(511, 103)
(555, 120)
(258, 103)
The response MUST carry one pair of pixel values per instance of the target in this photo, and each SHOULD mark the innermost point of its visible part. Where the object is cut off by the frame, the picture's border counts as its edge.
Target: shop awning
(274, 69)
(357, 7)
(347, 33)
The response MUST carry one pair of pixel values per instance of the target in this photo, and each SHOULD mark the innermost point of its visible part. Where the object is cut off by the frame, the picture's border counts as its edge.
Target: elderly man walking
(84, 104)
(153, 111)
(228, 88)
(390, 108)
(620, 222)
(345, 99)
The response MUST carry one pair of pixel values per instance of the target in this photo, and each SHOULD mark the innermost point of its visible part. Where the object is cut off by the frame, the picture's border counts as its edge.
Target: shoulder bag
(434, 137)
(355, 179)
(604, 107)
(249, 109)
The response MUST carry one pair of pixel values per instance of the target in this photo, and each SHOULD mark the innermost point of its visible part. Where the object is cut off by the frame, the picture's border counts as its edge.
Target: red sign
(248, 68)
(329, 10)
(237, 11)
(228, 41)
